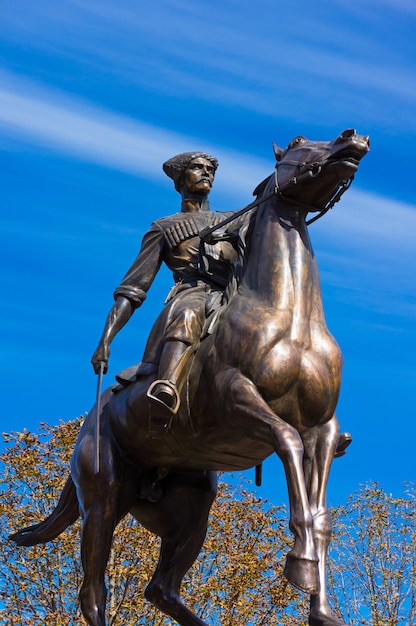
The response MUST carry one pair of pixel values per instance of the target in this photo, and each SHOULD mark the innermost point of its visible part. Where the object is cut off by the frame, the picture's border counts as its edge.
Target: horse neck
(280, 269)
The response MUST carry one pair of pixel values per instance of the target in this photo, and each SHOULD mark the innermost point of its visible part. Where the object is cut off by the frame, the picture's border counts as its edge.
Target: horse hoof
(325, 620)
(303, 574)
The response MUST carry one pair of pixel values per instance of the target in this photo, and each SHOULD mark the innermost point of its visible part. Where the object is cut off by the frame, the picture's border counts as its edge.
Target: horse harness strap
(313, 170)
(238, 213)
(333, 200)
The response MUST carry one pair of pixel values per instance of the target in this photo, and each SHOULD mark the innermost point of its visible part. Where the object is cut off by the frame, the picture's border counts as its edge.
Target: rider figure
(175, 241)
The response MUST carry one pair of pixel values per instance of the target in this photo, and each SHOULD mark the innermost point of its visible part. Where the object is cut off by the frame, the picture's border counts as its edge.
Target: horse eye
(296, 141)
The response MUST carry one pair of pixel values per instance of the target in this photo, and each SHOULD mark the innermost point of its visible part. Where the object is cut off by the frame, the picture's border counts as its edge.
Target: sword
(97, 420)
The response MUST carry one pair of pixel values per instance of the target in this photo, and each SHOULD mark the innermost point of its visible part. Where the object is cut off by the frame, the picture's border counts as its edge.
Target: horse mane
(244, 238)
(259, 190)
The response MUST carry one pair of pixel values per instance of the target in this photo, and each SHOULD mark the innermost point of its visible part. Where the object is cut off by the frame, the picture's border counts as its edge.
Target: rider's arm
(131, 292)
(119, 315)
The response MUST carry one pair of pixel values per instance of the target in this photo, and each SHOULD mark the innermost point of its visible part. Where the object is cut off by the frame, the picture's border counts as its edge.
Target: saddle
(131, 374)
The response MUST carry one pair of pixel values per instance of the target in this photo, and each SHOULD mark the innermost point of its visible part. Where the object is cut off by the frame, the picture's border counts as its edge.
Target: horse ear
(277, 151)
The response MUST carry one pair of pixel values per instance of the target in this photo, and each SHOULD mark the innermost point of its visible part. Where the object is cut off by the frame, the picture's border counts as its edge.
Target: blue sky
(95, 95)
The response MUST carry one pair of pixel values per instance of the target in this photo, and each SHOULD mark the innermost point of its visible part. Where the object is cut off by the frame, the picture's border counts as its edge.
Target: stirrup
(161, 415)
(171, 392)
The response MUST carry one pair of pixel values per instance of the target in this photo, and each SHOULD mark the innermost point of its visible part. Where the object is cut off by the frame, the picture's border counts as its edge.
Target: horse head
(314, 174)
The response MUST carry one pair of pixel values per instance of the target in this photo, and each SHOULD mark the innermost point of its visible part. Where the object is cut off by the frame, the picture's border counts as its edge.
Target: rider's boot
(164, 393)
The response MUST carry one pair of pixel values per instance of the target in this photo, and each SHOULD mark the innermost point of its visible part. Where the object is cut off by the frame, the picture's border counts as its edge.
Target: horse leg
(320, 448)
(249, 407)
(104, 498)
(97, 534)
(180, 518)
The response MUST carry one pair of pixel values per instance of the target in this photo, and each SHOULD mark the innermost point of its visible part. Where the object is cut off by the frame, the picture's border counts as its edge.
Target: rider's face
(199, 177)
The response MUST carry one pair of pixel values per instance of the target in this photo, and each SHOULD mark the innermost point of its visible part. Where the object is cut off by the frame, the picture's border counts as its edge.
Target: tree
(236, 580)
(373, 557)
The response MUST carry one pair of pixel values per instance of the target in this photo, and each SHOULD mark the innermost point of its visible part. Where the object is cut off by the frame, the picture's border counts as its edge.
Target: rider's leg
(180, 341)
(164, 393)
(174, 359)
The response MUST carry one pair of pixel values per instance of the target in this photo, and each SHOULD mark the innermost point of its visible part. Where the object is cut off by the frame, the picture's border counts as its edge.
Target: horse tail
(65, 513)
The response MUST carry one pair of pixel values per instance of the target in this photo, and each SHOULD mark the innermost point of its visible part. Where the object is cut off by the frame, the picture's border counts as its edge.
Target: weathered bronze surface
(265, 379)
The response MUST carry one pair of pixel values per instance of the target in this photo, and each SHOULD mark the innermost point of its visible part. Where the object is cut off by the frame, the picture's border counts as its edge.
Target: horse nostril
(346, 134)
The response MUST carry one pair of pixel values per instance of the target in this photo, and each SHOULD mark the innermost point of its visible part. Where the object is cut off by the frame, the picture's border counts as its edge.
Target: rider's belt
(191, 281)
(181, 231)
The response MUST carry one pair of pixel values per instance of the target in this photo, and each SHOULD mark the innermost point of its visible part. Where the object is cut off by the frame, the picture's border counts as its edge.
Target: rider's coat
(199, 270)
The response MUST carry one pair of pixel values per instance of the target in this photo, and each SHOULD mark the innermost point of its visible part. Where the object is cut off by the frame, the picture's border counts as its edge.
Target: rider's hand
(214, 237)
(205, 235)
(101, 355)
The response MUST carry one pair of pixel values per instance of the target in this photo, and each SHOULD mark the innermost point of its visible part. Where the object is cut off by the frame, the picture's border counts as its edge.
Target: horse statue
(265, 379)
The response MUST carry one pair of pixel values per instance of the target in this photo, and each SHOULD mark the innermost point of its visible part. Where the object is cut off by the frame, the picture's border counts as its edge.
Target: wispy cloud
(383, 226)
(366, 252)
(31, 112)
(82, 130)
(263, 60)
(74, 127)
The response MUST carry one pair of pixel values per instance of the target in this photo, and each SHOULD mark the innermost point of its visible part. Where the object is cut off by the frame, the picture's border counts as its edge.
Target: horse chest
(282, 276)
(295, 363)
(274, 331)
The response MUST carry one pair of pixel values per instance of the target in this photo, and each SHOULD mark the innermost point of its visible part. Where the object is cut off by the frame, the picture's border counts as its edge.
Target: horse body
(289, 355)
(266, 380)
(287, 352)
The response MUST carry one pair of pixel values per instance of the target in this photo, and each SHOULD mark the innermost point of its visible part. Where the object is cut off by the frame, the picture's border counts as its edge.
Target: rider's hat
(176, 166)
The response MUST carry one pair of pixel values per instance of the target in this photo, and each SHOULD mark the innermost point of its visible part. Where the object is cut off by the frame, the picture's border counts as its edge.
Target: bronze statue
(200, 278)
(265, 378)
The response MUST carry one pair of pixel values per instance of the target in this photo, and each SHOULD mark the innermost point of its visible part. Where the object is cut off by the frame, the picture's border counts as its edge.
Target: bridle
(311, 170)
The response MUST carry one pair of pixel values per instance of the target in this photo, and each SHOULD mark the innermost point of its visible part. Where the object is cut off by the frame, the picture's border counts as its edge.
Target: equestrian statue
(239, 365)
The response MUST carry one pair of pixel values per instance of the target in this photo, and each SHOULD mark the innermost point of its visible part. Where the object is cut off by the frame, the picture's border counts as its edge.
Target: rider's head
(192, 172)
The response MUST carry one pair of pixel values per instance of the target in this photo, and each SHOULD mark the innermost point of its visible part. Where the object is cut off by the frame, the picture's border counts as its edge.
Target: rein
(313, 170)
